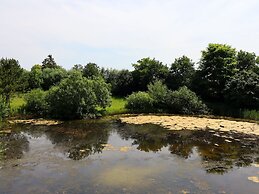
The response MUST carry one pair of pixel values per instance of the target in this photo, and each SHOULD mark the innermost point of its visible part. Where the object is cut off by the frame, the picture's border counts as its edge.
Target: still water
(105, 156)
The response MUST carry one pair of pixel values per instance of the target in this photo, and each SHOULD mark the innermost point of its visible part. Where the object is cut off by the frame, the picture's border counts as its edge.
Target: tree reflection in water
(219, 151)
(13, 145)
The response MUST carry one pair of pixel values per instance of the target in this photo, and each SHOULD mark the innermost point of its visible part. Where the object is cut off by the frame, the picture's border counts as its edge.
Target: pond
(106, 156)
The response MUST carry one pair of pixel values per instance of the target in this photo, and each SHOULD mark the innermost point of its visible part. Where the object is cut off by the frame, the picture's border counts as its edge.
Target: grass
(16, 103)
(117, 106)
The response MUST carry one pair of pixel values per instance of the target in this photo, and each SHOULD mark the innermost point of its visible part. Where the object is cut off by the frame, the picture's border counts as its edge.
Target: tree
(121, 81)
(242, 90)
(10, 73)
(148, 70)
(91, 71)
(216, 67)
(52, 76)
(245, 60)
(36, 77)
(78, 67)
(49, 62)
(181, 73)
(76, 97)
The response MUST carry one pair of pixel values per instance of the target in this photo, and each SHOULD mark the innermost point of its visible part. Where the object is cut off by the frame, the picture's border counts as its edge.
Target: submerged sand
(194, 123)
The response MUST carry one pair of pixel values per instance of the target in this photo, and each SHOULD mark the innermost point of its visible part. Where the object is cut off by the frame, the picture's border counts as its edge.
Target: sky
(117, 33)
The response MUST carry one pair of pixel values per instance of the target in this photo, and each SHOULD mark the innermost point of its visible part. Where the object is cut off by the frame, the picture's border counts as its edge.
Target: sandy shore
(193, 123)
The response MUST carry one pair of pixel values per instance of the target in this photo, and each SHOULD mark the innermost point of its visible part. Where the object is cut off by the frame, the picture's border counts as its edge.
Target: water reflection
(13, 145)
(219, 151)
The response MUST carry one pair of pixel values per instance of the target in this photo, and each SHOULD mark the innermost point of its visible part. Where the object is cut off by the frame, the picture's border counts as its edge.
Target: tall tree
(91, 70)
(10, 73)
(120, 80)
(181, 73)
(242, 90)
(36, 77)
(148, 70)
(245, 60)
(217, 65)
(49, 62)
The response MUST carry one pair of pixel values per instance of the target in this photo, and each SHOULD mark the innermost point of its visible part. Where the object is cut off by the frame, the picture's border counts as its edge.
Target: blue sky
(117, 33)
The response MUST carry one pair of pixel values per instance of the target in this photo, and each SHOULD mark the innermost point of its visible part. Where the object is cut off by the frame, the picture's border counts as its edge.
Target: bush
(77, 97)
(158, 92)
(36, 102)
(184, 101)
(3, 109)
(139, 102)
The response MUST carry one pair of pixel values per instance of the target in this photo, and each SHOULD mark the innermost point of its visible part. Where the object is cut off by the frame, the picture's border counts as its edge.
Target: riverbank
(194, 123)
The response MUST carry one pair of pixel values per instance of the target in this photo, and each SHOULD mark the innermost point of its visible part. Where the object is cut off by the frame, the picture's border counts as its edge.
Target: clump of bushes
(184, 101)
(159, 98)
(74, 97)
(36, 102)
(140, 102)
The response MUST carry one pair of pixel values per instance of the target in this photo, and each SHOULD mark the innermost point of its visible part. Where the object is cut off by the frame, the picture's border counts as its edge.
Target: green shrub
(3, 109)
(184, 101)
(139, 102)
(36, 102)
(77, 97)
(158, 92)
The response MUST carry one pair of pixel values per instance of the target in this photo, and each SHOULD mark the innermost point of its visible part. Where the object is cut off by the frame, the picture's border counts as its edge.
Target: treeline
(223, 75)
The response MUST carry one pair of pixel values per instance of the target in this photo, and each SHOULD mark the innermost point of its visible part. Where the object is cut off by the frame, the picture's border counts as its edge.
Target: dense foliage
(140, 102)
(121, 81)
(181, 73)
(217, 65)
(10, 73)
(160, 99)
(223, 76)
(77, 97)
(184, 101)
(242, 90)
(36, 102)
(147, 70)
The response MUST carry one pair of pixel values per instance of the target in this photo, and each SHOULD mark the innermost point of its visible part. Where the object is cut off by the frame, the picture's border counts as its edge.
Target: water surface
(109, 157)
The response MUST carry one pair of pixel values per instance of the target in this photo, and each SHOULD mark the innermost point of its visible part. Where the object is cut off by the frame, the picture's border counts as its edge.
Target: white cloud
(117, 33)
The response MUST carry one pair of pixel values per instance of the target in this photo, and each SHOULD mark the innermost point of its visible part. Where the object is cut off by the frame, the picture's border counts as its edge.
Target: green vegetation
(35, 102)
(140, 102)
(226, 79)
(159, 98)
(251, 114)
(74, 97)
(3, 109)
(17, 103)
(10, 73)
(117, 106)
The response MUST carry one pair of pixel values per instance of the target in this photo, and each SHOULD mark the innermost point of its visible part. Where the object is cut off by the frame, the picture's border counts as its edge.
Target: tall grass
(117, 106)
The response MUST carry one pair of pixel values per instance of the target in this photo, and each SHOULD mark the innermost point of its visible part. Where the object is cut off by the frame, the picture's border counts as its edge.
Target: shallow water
(109, 157)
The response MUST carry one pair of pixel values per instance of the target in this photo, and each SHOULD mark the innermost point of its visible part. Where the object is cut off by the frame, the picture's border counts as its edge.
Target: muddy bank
(193, 123)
